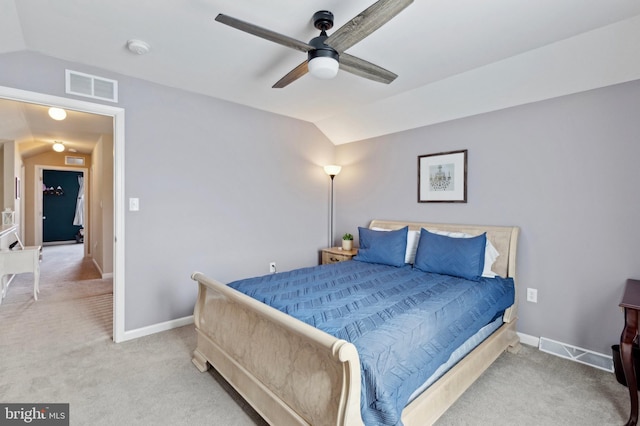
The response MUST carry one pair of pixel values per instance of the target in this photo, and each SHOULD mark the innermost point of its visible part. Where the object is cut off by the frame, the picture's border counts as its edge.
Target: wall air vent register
(91, 86)
(73, 161)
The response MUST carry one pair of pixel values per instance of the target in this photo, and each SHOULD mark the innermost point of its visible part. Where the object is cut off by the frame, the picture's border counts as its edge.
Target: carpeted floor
(59, 349)
(74, 302)
(533, 388)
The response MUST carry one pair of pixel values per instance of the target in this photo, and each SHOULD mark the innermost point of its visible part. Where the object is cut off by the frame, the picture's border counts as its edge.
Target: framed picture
(8, 217)
(442, 177)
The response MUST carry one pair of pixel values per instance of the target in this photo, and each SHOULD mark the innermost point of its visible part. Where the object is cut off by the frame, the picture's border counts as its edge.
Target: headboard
(503, 238)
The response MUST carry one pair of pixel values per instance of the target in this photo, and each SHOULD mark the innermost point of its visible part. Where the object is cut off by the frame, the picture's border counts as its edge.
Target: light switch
(134, 204)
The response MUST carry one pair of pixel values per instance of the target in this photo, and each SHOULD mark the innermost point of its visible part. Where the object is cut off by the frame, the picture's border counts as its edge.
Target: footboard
(290, 372)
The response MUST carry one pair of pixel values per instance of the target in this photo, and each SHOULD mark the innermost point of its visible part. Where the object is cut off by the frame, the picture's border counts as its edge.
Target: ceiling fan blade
(264, 33)
(292, 76)
(365, 23)
(365, 69)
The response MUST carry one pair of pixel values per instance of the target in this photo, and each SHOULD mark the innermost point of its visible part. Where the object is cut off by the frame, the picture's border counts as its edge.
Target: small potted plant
(347, 241)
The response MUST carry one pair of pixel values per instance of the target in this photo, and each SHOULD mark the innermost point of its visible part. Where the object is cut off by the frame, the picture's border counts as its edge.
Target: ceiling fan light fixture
(323, 63)
(323, 51)
(58, 146)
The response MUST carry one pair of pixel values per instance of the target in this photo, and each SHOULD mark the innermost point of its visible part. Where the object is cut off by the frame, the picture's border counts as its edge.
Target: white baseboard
(527, 339)
(58, 243)
(102, 274)
(156, 328)
(97, 267)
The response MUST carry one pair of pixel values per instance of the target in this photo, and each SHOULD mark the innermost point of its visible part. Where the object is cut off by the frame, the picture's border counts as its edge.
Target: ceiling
(35, 132)
(454, 58)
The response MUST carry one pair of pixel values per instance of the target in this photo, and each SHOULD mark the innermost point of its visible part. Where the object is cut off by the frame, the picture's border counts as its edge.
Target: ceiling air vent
(91, 86)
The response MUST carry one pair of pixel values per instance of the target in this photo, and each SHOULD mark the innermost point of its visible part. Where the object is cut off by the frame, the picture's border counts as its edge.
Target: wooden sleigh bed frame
(294, 374)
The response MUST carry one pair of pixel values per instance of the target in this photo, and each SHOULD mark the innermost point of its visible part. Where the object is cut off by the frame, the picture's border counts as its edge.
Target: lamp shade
(323, 67)
(58, 147)
(332, 169)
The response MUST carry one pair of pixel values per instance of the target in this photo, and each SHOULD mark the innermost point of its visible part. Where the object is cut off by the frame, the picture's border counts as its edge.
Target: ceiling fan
(325, 54)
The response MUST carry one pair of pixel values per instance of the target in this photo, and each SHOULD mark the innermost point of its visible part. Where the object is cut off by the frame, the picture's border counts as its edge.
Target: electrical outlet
(272, 267)
(532, 295)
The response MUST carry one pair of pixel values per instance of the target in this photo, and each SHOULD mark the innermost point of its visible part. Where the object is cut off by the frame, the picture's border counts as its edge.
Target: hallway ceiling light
(57, 113)
(58, 146)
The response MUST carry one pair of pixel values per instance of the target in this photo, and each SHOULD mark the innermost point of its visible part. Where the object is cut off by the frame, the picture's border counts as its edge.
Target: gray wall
(564, 170)
(223, 189)
(226, 189)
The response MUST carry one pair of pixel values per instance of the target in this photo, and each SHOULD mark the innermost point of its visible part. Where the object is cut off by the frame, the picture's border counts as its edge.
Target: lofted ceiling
(454, 58)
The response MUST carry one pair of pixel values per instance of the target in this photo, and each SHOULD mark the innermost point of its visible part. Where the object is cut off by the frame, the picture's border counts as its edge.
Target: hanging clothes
(78, 220)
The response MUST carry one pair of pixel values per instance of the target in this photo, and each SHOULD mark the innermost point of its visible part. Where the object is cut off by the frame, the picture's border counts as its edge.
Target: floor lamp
(332, 171)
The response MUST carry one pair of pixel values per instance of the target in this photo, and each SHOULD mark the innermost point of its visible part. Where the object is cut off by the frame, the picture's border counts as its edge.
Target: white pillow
(490, 252)
(412, 246)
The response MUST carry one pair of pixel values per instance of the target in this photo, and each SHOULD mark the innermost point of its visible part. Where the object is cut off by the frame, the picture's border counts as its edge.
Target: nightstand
(336, 254)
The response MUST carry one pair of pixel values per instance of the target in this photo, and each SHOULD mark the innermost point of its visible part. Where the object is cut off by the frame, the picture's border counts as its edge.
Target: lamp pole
(332, 171)
(331, 214)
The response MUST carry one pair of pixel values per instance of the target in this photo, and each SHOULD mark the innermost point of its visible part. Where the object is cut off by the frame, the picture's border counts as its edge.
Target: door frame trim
(118, 115)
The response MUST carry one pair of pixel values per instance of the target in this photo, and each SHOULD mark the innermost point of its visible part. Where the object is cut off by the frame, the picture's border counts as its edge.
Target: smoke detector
(138, 47)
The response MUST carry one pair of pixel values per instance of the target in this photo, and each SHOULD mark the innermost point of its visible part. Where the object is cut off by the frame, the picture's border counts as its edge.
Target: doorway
(42, 197)
(117, 215)
(62, 206)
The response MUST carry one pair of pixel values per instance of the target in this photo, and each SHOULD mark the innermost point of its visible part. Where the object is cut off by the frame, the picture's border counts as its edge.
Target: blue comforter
(404, 322)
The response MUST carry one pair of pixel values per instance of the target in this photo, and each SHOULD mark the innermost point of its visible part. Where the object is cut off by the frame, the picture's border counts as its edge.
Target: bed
(293, 373)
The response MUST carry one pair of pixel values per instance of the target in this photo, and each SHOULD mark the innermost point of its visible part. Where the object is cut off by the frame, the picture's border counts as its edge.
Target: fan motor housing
(323, 20)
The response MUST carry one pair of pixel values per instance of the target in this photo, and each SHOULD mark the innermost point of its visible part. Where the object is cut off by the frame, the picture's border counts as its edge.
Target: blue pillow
(458, 257)
(385, 247)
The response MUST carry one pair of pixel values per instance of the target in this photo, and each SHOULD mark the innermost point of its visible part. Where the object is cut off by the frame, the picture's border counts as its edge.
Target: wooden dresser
(631, 304)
